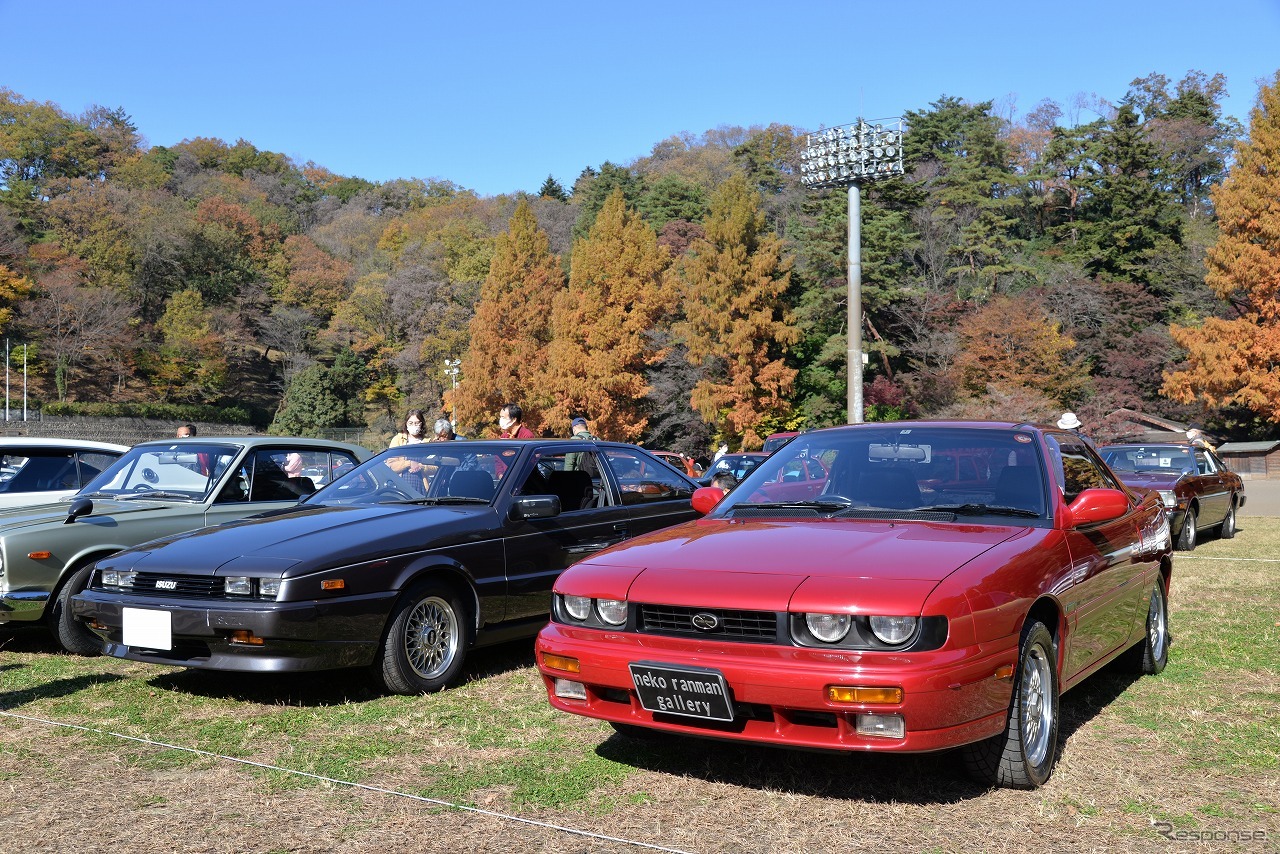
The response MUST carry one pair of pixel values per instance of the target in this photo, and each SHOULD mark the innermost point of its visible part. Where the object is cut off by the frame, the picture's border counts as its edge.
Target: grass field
(102, 753)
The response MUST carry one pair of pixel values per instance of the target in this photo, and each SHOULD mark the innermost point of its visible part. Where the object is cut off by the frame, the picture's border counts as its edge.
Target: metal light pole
(451, 371)
(849, 156)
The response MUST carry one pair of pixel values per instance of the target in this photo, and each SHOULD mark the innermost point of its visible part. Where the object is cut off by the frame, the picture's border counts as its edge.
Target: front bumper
(296, 636)
(779, 693)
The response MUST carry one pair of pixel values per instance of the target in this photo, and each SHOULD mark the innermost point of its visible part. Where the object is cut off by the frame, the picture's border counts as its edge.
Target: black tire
(1022, 757)
(1150, 655)
(1227, 529)
(426, 640)
(1187, 536)
(74, 636)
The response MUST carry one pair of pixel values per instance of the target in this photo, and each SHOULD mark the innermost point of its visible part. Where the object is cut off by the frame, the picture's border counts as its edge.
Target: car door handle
(587, 548)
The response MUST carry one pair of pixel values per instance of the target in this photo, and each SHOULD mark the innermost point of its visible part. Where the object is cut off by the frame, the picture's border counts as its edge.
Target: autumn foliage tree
(602, 326)
(512, 326)
(736, 324)
(1236, 361)
(1011, 343)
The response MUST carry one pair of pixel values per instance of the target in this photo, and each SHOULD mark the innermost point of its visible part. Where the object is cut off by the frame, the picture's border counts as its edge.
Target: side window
(92, 464)
(573, 477)
(284, 474)
(1204, 465)
(1077, 467)
(643, 480)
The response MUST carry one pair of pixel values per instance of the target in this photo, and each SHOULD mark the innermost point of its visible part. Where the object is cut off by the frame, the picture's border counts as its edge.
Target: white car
(39, 471)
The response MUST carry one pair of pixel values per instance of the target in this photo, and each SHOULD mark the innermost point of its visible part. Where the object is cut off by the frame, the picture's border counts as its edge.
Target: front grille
(731, 624)
(184, 586)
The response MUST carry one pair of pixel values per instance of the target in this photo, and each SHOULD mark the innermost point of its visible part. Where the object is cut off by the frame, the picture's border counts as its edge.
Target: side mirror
(1098, 505)
(79, 507)
(705, 498)
(535, 507)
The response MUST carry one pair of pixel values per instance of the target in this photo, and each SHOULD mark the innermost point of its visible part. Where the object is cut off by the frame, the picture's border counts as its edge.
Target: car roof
(256, 442)
(44, 442)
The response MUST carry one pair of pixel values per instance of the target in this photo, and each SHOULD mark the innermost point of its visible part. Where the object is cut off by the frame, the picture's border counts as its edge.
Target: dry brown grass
(1134, 752)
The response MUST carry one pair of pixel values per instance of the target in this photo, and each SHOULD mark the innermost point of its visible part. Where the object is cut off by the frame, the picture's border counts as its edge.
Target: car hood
(857, 566)
(303, 540)
(56, 513)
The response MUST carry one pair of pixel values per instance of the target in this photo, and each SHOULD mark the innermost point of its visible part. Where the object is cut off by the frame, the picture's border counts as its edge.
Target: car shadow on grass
(328, 687)
(11, 700)
(929, 778)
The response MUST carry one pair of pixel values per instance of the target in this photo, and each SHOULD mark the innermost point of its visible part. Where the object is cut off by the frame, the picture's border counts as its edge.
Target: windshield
(183, 471)
(896, 467)
(424, 473)
(1148, 459)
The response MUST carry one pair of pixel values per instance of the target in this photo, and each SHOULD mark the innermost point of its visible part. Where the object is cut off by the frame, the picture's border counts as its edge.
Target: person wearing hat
(1068, 421)
(579, 429)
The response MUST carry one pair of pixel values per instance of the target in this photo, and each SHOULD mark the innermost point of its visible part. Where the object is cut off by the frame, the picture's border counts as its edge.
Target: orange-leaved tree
(507, 356)
(602, 342)
(736, 325)
(1012, 343)
(1236, 361)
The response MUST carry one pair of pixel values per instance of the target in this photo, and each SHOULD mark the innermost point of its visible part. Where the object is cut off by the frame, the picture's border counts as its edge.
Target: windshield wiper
(441, 499)
(983, 510)
(829, 505)
(153, 493)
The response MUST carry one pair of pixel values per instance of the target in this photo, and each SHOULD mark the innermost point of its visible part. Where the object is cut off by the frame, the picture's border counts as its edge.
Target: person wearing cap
(579, 429)
(1068, 421)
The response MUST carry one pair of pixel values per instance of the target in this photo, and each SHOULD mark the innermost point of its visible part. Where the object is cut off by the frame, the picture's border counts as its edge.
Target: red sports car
(906, 603)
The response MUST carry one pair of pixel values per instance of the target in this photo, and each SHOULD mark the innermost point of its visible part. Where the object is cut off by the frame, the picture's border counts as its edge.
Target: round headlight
(828, 628)
(577, 607)
(612, 611)
(893, 630)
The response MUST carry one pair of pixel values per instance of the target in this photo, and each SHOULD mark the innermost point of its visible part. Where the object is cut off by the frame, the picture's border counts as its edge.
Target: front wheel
(1228, 527)
(1187, 538)
(425, 642)
(1022, 757)
(74, 636)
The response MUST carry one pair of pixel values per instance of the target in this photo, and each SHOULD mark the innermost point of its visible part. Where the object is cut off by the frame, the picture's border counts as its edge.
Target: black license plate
(694, 692)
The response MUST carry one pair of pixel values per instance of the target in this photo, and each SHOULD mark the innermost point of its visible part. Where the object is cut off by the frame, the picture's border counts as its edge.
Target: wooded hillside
(1025, 264)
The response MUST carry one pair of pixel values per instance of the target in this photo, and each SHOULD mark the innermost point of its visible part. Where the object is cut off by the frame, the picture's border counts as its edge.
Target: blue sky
(495, 96)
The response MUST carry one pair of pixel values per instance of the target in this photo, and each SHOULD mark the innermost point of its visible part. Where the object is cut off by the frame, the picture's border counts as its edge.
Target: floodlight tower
(849, 156)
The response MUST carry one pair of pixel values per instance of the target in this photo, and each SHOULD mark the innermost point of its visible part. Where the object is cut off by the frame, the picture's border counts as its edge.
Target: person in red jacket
(510, 419)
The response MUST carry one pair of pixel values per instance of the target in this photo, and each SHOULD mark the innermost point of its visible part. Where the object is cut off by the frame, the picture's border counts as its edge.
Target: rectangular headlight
(117, 578)
(269, 588)
(238, 585)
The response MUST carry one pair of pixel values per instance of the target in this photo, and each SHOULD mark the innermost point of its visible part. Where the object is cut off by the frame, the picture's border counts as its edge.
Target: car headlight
(238, 585)
(269, 588)
(893, 630)
(117, 578)
(1168, 498)
(578, 607)
(612, 611)
(828, 628)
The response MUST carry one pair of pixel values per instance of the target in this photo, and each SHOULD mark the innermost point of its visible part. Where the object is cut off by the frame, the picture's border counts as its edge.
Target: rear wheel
(1152, 654)
(74, 636)
(1228, 528)
(1022, 757)
(1187, 537)
(425, 643)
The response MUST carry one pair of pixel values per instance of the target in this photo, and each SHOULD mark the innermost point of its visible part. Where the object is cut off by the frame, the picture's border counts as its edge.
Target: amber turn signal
(1004, 672)
(40, 555)
(333, 584)
(245, 636)
(851, 694)
(560, 662)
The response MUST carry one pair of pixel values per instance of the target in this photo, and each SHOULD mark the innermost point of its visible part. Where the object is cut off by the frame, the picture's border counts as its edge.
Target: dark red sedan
(1198, 490)
(906, 603)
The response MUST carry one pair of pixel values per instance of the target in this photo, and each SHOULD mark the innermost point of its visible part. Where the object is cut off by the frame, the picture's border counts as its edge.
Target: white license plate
(150, 629)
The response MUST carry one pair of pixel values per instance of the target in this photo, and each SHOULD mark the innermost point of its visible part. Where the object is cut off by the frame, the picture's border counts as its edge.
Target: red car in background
(1197, 488)
(888, 606)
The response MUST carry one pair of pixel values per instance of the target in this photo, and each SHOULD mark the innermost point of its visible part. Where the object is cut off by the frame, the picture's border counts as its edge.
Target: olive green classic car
(154, 490)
